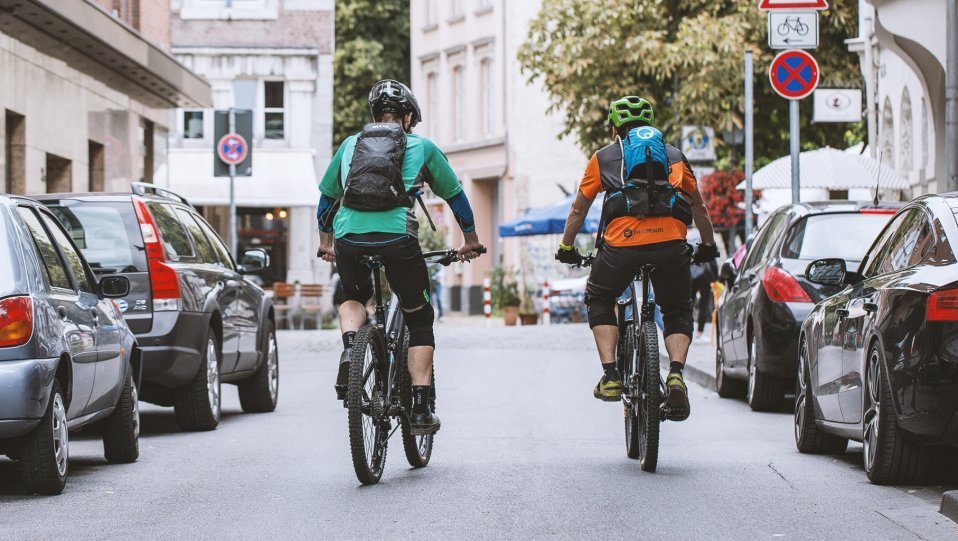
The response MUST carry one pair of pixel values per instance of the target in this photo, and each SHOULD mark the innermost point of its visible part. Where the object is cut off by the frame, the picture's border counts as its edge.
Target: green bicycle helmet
(629, 109)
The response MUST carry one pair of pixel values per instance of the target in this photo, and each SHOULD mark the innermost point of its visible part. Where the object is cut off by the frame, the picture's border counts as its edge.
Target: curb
(949, 505)
(707, 380)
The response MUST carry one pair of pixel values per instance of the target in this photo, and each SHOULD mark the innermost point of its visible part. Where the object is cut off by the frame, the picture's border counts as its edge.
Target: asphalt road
(525, 451)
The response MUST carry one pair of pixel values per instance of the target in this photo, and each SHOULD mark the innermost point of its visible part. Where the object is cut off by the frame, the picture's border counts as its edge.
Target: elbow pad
(462, 210)
(325, 213)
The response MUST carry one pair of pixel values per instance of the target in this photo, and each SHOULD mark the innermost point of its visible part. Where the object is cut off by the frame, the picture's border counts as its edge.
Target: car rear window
(175, 238)
(106, 232)
(845, 235)
(8, 258)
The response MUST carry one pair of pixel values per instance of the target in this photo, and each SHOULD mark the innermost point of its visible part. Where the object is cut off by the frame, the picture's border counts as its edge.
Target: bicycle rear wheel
(649, 406)
(628, 365)
(365, 398)
(418, 448)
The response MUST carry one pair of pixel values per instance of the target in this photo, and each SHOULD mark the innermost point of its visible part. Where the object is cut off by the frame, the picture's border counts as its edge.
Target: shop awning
(281, 178)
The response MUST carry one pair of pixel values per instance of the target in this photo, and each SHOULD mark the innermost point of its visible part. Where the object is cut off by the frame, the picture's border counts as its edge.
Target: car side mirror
(826, 272)
(114, 286)
(727, 273)
(254, 260)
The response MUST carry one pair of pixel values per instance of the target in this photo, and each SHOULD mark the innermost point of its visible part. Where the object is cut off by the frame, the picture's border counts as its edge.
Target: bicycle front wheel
(418, 449)
(628, 364)
(365, 398)
(651, 403)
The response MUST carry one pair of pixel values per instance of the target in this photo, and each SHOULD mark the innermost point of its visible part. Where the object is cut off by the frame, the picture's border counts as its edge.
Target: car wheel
(809, 437)
(724, 385)
(259, 393)
(889, 456)
(764, 392)
(197, 406)
(121, 430)
(45, 452)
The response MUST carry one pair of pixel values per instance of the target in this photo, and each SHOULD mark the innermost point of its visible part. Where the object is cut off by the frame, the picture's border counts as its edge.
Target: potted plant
(527, 309)
(505, 295)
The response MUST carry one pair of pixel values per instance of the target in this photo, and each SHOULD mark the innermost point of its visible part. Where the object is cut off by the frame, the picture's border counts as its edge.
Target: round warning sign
(232, 149)
(794, 74)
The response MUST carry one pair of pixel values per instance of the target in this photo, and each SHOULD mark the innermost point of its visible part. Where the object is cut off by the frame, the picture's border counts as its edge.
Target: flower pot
(529, 319)
(510, 314)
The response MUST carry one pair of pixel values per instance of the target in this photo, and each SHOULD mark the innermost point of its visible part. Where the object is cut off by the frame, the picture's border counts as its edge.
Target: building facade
(493, 126)
(273, 57)
(87, 93)
(903, 53)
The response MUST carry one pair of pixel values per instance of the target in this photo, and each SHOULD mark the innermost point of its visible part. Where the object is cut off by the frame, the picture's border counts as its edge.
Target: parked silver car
(67, 358)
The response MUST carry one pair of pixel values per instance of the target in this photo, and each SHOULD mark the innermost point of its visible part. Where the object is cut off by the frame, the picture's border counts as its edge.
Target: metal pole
(232, 129)
(749, 141)
(951, 97)
(793, 128)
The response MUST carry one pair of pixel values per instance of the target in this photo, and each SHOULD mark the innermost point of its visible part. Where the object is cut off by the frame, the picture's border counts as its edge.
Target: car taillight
(942, 306)
(780, 286)
(164, 283)
(16, 321)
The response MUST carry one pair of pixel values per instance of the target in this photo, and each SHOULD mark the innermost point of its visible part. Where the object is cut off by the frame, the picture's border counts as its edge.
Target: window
(837, 195)
(814, 237)
(758, 252)
(16, 153)
(458, 89)
(72, 256)
(484, 5)
(456, 9)
(432, 103)
(106, 233)
(96, 166)
(274, 114)
(223, 255)
(893, 249)
(58, 174)
(204, 252)
(192, 124)
(175, 239)
(432, 13)
(485, 86)
(54, 271)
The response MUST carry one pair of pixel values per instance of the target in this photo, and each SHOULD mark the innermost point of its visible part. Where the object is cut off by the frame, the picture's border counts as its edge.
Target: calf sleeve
(419, 323)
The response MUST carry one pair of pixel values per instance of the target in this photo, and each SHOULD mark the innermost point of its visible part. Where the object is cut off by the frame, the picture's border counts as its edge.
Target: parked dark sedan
(198, 320)
(67, 359)
(879, 360)
(768, 297)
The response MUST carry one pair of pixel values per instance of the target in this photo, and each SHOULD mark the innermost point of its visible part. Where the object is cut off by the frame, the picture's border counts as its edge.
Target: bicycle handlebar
(448, 257)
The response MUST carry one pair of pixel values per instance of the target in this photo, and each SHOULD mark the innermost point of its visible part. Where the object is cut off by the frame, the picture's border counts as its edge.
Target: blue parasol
(550, 220)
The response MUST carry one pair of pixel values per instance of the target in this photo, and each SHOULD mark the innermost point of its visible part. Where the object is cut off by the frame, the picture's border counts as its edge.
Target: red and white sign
(771, 5)
(232, 149)
(794, 74)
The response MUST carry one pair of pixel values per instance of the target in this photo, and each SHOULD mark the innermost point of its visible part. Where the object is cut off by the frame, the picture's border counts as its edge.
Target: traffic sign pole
(749, 140)
(232, 129)
(795, 147)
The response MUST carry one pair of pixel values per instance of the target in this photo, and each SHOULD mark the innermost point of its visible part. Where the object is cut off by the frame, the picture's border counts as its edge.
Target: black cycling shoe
(342, 379)
(423, 424)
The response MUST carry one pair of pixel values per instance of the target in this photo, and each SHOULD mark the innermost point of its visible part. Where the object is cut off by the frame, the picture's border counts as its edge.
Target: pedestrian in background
(703, 274)
(438, 272)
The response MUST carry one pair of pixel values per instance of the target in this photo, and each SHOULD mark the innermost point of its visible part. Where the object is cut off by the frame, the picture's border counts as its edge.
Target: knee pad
(601, 312)
(419, 323)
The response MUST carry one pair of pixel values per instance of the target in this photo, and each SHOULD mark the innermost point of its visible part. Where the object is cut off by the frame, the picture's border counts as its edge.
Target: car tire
(890, 458)
(763, 392)
(725, 386)
(121, 430)
(45, 452)
(809, 437)
(260, 392)
(198, 405)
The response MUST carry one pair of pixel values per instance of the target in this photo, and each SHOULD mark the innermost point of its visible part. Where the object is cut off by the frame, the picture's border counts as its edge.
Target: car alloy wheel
(61, 435)
(135, 397)
(752, 371)
(213, 378)
(872, 417)
(801, 393)
(272, 367)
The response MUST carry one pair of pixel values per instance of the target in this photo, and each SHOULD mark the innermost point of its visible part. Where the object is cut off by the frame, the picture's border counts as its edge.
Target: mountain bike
(644, 395)
(380, 388)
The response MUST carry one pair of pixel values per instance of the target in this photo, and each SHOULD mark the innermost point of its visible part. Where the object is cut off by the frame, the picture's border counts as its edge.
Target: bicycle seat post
(375, 263)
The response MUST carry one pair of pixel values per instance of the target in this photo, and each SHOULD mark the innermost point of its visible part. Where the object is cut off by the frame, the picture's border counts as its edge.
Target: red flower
(723, 199)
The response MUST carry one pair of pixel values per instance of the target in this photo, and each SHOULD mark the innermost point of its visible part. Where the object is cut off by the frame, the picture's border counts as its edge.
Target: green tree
(686, 57)
(372, 43)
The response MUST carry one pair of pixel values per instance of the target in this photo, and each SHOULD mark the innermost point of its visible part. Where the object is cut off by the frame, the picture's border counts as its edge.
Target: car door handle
(62, 312)
(842, 312)
(870, 307)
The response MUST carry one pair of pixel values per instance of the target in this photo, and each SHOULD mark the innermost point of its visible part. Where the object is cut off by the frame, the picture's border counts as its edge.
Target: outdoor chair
(282, 307)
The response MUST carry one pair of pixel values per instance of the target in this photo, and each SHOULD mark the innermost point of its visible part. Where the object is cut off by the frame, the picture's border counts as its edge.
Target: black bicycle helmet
(389, 96)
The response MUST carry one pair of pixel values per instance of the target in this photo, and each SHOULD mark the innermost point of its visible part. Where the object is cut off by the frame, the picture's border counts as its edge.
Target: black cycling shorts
(402, 259)
(615, 267)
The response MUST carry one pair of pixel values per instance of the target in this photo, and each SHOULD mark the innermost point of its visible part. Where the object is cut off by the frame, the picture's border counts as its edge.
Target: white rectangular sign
(698, 143)
(793, 29)
(837, 105)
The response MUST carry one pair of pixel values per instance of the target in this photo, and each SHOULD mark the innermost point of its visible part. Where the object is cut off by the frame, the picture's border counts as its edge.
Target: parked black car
(197, 319)
(879, 360)
(67, 359)
(768, 297)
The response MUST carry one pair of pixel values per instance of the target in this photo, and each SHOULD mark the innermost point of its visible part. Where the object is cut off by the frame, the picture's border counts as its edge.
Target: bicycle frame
(390, 321)
(646, 311)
